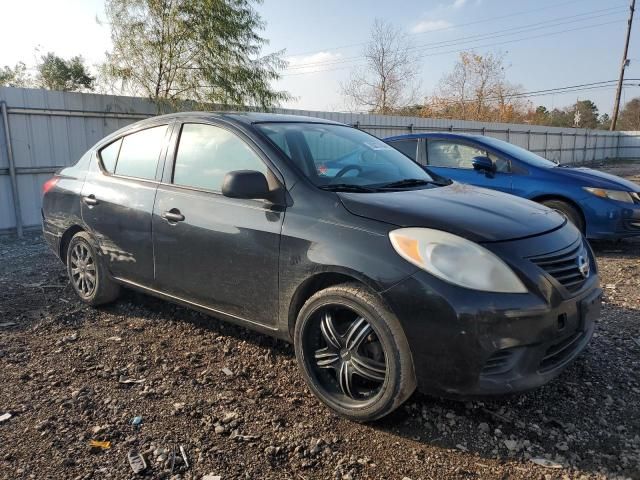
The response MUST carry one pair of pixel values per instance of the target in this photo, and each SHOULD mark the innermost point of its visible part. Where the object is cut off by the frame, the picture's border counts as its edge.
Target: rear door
(452, 159)
(117, 201)
(215, 251)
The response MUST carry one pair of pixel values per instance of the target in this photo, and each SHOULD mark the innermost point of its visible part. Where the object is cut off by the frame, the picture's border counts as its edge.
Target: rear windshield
(337, 154)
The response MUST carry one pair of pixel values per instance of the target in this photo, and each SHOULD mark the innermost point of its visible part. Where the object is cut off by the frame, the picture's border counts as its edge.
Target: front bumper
(470, 343)
(608, 219)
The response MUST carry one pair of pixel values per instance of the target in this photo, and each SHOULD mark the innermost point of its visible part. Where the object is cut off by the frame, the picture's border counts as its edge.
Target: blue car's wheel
(568, 211)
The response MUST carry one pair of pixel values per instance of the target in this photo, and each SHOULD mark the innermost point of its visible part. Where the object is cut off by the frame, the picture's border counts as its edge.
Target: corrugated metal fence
(49, 130)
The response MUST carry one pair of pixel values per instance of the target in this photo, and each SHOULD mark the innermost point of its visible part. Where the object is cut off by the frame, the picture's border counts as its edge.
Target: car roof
(458, 136)
(246, 117)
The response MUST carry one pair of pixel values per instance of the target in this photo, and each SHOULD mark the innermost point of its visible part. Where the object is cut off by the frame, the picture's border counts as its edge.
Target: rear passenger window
(139, 153)
(408, 147)
(206, 153)
(109, 155)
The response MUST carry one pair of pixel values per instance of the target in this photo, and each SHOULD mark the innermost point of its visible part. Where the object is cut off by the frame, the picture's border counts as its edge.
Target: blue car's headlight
(618, 195)
(455, 260)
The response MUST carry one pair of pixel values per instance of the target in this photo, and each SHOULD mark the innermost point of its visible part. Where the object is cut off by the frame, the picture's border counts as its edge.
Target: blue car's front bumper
(610, 219)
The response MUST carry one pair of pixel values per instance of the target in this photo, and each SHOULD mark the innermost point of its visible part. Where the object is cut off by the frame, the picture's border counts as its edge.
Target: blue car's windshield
(519, 153)
(340, 155)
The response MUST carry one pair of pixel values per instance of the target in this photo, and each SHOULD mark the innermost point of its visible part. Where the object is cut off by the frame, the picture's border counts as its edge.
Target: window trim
(477, 146)
(161, 156)
(172, 156)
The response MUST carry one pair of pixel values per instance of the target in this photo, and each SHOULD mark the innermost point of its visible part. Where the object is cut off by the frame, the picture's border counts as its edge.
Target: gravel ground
(237, 404)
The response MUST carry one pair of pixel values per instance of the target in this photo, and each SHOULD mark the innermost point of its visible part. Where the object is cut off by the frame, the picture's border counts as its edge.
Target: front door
(218, 252)
(452, 159)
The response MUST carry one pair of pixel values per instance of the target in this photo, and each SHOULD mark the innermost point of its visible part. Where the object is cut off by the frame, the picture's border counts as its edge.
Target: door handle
(173, 216)
(90, 200)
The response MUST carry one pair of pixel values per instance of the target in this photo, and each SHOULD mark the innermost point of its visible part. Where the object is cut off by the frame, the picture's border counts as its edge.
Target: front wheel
(567, 210)
(353, 353)
(88, 276)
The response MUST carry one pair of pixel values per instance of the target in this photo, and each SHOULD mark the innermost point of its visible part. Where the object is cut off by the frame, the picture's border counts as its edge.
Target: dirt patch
(235, 401)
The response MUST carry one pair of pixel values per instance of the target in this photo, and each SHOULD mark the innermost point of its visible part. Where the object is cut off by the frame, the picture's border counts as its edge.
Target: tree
(201, 50)
(630, 116)
(386, 84)
(15, 77)
(477, 89)
(587, 112)
(56, 73)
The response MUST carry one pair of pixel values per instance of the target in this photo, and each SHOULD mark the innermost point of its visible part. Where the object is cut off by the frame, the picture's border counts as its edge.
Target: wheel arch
(66, 239)
(314, 284)
(562, 198)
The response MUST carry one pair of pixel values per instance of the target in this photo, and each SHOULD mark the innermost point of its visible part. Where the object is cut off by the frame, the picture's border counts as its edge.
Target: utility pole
(625, 62)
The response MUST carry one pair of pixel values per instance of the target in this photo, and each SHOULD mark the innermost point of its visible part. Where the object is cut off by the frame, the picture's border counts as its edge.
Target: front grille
(564, 266)
(558, 353)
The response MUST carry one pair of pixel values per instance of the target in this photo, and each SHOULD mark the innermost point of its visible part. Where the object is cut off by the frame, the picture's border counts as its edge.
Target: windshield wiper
(407, 182)
(347, 187)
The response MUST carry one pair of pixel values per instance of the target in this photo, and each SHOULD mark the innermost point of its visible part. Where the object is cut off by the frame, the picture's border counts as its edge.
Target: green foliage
(208, 51)
(630, 116)
(14, 77)
(56, 73)
(582, 114)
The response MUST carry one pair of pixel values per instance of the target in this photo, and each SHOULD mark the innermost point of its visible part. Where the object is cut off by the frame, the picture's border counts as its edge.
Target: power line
(483, 36)
(549, 91)
(475, 22)
(471, 47)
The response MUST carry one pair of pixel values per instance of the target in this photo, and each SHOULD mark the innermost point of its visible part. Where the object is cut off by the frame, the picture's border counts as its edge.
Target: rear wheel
(567, 210)
(353, 353)
(88, 277)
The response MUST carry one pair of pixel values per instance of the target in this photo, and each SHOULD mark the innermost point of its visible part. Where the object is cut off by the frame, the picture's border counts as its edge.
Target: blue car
(601, 205)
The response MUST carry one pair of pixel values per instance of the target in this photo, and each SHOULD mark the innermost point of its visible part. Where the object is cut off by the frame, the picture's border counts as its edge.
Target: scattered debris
(70, 338)
(126, 380)
(184, 456)
(136, 461)
(211, 476)
(137, 421)
(544, 462)
(100, 444)
(227, 372)
(5, 416)
(7, 324)
(114, 339)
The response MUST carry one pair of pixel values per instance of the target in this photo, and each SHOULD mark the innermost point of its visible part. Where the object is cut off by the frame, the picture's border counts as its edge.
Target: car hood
(478, 214)
(594, 178)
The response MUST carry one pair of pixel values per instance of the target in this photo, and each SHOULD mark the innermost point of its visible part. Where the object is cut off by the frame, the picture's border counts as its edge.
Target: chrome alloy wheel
(83, 270)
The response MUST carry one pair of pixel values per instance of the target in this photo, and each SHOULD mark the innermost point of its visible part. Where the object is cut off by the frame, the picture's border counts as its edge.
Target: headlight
(619, 195)
(455, 260)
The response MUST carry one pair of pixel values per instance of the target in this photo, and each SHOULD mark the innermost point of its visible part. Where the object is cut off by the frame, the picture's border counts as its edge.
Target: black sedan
(384, 276)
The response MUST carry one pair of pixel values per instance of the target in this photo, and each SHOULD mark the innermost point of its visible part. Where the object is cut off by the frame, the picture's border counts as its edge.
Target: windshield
(332, 155)
(519, 153)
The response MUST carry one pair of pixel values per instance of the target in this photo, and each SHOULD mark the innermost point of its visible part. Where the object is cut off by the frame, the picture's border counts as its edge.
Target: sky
(545, 43)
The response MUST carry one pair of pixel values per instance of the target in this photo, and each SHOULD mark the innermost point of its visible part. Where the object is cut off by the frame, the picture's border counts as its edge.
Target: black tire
(88, 276)
(384, 341)
(568, 211)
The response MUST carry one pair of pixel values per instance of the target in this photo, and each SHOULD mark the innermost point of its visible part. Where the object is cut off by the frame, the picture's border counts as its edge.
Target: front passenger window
(206, 153)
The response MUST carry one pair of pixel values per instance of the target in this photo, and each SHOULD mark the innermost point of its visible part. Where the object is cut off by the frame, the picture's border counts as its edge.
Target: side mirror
(483, 164)
(245, 184)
